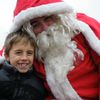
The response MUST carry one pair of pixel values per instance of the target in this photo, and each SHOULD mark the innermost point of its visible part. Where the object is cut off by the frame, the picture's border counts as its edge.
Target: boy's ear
(6, 57)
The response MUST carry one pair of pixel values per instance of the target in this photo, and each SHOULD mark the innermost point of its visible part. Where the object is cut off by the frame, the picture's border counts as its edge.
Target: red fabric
(94, 25)
(31, 3)
(85, 77)
(1, 51)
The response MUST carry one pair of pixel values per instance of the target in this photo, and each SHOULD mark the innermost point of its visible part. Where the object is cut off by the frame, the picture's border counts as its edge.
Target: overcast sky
(90, 7)
(6, 15)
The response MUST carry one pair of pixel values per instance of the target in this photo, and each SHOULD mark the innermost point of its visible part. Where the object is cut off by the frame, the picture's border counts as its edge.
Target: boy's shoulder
(3, 72)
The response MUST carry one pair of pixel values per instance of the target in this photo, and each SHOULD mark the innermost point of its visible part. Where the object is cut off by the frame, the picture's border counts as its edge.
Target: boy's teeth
(23, 65)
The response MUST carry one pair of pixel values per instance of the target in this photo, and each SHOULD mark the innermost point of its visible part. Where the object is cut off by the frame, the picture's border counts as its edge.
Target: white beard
(56, 50)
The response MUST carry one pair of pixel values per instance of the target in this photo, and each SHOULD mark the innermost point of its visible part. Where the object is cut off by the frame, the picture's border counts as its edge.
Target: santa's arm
(95, 27)
(90, 28)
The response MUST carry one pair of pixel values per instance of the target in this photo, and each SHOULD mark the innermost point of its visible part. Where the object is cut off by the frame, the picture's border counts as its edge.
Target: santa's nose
(44, 25)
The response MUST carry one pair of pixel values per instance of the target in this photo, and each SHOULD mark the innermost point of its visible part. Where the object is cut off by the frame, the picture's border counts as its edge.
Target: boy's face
(21, 56)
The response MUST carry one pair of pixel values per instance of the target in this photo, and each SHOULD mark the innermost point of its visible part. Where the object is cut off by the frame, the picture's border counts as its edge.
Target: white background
(89, 7)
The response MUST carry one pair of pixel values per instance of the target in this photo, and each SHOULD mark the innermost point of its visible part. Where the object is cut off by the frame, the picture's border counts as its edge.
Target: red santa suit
(84, 77)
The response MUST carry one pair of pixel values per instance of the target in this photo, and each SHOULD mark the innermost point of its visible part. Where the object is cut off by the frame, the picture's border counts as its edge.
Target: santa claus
(68, 47)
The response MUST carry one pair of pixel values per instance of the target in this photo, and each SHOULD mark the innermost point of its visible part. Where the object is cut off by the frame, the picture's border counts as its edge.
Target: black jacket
(18, 86)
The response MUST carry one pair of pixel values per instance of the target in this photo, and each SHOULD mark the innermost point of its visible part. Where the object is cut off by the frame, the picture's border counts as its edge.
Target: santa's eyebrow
(34, 21)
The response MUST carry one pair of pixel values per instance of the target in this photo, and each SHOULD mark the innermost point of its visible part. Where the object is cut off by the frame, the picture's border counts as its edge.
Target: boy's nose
(24, 56)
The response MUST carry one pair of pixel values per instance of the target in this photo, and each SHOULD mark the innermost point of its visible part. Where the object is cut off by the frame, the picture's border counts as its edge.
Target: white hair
(79, 26)
(56, 50)
(59, 34)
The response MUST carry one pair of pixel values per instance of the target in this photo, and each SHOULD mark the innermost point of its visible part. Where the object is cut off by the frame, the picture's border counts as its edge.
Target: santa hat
(29, 9)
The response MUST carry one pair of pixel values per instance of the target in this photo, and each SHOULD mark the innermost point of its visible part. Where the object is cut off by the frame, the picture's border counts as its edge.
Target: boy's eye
(30, 53)
(18, 52)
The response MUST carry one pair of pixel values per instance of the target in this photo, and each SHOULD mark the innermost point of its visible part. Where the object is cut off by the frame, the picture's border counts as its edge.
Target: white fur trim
(90, 36)
(39, 11)
(2, 58)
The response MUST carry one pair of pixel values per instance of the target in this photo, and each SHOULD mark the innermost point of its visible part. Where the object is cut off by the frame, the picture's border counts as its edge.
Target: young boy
(18, 79)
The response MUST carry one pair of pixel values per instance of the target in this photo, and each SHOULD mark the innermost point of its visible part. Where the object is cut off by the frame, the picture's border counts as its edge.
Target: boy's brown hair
(15, 37)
